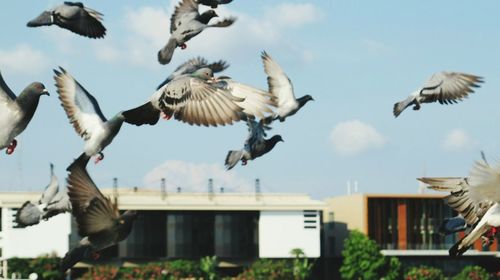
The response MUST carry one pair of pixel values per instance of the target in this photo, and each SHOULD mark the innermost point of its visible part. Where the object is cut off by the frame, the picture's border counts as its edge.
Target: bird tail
(166, 53)
(44, 18)
(82, 161)
(223, 23)
(232, 158)
(144, 114)
(73, 256)
(400, 106)
(27, 215)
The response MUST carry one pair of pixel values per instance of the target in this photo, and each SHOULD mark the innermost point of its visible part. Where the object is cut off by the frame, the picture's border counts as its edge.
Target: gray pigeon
(281, 88)
(192, 65)
(190, 98)
(50, 204)
(214, 3)
(443, 87)
(255, 145)
(84, 113)
(74, 17)
(16, 112)
(98, 219)
(185, 23)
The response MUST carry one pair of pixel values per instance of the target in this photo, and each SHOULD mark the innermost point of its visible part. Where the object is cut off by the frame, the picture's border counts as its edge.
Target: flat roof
(148, 199)
(392, 195)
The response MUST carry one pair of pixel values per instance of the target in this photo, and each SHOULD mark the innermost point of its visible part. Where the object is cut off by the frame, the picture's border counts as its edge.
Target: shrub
(268, 269)
(101, 272)
(208, 266)
(424, 273)
(472, 273)
(363, 260)
(183, 268)
(46, 267)
(301, 267)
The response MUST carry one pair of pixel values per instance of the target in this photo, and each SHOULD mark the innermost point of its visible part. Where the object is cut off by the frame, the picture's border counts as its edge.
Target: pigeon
(281, 88)
(192, 65)
(443, 87)
(190, 98)
(256, 102)
(84, 113)
(75, 17)
(99, 222)
(255, 145)
(476, 198)
(17, 112)
(185, 23)
(50, 204)
(214, 3)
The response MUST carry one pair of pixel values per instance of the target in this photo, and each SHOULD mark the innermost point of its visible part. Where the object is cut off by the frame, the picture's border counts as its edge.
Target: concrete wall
(282, 231)
(44, 238)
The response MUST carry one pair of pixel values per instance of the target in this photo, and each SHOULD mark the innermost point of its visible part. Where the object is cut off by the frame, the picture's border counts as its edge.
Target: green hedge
(46, 267)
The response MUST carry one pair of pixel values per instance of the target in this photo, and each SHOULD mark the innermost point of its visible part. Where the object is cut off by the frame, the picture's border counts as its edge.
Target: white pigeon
(443, 87)
(84, 113)
(482, 194)
(17, 112)
(281, 88)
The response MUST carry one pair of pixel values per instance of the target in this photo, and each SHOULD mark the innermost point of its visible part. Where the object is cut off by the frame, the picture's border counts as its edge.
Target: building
(236, 227)
(405, 225)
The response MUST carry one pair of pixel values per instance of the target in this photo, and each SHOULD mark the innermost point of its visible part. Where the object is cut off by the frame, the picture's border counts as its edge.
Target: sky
(356, 58)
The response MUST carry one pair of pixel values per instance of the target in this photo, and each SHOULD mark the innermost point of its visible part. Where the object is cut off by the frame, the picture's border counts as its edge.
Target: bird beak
(45, 92)
(216, 15)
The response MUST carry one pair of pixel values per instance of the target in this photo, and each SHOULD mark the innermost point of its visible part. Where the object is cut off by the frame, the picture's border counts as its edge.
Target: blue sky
(356, 58)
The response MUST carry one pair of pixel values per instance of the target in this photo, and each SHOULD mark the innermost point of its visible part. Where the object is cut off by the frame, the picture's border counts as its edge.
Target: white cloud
(288, 14)
(23, 59)
(354, 137)
(193, 177)
(457, 139)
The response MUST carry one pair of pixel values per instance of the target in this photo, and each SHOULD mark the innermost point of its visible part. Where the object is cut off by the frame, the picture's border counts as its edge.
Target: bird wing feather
(449, 87)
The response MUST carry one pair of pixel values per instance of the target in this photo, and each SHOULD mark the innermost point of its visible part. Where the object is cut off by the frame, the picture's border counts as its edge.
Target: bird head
(308, 98)
(277, 138)
(204, 74)
(38, 89)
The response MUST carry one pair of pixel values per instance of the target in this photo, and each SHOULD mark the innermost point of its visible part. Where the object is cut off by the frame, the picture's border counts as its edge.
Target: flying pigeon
(74, 17)
(476, 200)
(99, 222)
(281, 87)
(256, 102)
(443, 87)
(190, 98)
(214, 3)
(255, 145)
(185, 23)
(16, 112)
(84, 113)
(50, 204)
(192, 65)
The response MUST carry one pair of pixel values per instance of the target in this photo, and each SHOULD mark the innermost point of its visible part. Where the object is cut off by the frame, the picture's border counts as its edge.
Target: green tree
(302, 268)
(363, 260)
(473, 272)
(208, 265)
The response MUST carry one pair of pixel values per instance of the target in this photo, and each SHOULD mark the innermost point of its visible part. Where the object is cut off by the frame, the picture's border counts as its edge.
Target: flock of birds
(192, 94)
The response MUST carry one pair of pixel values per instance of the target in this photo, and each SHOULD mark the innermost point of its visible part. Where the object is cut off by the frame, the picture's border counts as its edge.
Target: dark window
(235, 234)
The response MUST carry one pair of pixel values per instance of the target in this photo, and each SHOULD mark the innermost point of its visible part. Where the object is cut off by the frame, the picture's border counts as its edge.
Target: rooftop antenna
(258, 193)
(163, 189)
(355, 186)
(210, 188)
(178, 189)
(221, 189)
(115, 189)
(348, 187)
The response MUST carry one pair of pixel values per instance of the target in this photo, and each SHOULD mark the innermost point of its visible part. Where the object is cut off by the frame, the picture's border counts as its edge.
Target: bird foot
(244, 162)
(183, 46)
(99, 157)
(11, 147)
(165, 116)
(95, 256)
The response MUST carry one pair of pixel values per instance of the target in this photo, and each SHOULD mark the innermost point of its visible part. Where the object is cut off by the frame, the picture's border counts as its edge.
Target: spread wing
(50, 191)
(99, 216)
(81, 107)
(256, 102)
(449, 87)
(196, 101)
(279, 83)
(29, 214)
(82, 190)
(192, 65)
(87, 22)
(485, 182)
(185, 11)
(459, 198)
